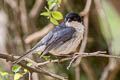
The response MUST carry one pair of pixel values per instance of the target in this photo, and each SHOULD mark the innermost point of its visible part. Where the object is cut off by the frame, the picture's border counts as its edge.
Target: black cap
(72, 17)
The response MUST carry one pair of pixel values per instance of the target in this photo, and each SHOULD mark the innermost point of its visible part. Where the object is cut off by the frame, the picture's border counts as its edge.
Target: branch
(100, 12)
(76, 56)
(38, 6)
(24, 16)
(37, 35)
(87, 8)
(16, 19)
(88, 69)
(37, 69)
(110, 71)
(83, 45)
(12, 4)
(32, 68)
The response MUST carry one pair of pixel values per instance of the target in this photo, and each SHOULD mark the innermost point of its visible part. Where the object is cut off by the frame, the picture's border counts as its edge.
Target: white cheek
(73, 24)
(67, 24)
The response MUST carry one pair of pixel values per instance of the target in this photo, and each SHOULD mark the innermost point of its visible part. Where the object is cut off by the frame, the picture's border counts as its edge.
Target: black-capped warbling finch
(62, 40)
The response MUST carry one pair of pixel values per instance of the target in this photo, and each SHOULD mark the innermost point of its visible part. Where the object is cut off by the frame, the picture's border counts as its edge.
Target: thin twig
(68, 67)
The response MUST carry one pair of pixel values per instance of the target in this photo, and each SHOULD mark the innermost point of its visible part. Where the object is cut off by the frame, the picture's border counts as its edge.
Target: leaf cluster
(53, 15)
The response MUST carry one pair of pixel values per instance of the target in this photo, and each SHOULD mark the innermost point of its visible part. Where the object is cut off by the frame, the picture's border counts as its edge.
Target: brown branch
(10, 58)
(12, 4)
(16, 19)
(88, 69)
(32, 68)
(84, 41)
(77, 55)
(110, 71)
(77, 71)
(37, 69)
(38, 6)
(87, 8)
(82, 48)
(114, 71)
(100, 12)
(85, 12)
(38, 35)
(24, 16)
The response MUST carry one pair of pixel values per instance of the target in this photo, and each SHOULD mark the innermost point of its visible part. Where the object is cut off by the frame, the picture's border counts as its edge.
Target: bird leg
(58, 57)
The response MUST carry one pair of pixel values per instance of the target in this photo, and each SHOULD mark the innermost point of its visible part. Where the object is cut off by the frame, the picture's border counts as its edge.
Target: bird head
(72, 17)
(73, 20)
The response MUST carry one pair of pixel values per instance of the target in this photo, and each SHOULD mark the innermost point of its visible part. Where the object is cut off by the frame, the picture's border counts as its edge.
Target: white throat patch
(73, 24)
(76, 25)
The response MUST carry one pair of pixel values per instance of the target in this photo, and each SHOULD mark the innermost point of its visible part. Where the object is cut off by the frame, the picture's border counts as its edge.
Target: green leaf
(16, 68)
(25, 70)
(45, 14)
(57, 15)
(59, 2)
(17, 76)
(29, 64)
(39, 53)
(53, 21)
(6, 75)
(46, 57)
(52, 3)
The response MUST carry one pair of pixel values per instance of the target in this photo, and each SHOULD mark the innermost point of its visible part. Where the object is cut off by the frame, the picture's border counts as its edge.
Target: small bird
(62, 40)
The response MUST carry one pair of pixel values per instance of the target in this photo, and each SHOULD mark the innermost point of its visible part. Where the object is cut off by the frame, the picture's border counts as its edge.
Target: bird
(62, 40)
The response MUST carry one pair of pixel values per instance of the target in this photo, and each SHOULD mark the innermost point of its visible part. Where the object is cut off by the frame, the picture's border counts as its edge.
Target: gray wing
(45, 40)
(57, 37)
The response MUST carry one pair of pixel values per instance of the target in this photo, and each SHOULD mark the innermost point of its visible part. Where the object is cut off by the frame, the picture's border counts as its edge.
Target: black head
(72, 17)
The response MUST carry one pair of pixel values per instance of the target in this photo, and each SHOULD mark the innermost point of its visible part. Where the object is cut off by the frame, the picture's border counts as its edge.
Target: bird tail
(24, 55)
